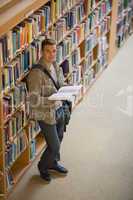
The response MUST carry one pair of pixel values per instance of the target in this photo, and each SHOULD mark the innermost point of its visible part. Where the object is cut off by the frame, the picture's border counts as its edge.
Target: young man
(44, 111)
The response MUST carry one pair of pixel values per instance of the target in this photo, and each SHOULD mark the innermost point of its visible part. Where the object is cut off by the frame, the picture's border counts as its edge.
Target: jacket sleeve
(36, 100)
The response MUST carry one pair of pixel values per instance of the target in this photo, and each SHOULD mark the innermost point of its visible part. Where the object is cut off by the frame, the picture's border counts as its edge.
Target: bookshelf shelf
(86, 33)
(17, 158)
(40, 144)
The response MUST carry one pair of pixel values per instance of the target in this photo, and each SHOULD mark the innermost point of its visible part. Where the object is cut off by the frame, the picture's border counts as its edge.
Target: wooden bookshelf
(83, 55)
(17, 13)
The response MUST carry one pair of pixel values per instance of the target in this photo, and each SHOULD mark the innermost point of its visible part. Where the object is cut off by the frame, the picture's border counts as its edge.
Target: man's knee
(55, 148)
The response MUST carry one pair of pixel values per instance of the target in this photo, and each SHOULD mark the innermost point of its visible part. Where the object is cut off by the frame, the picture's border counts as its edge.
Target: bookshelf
(124, 26)
(86, 33)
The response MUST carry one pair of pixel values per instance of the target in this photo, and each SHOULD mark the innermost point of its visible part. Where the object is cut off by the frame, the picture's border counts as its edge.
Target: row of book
(22, 63)
(93, 4)
(98, 54)
(32, 149)
(88, 77)
(123, 5)
(102, 45)
(101, 28)
(70, 43)
(103, 49)
(95, 19)
(60, 7)
(14, 99)
(68, 21)
(33, 129)
(76, 57)
(24, 34)
(91, 57)
(16, 139)
(14, 125)
(76, 75)
(103, 59)
(15, 148)
(9, 180)
(90, 42)
(72, 61)
(90, 73)
(124, 21)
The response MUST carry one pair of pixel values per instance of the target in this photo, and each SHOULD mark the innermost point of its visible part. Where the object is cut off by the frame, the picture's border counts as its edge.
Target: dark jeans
(53, 135)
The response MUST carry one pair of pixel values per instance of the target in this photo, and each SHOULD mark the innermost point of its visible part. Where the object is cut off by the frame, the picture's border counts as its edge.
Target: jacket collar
(47, 66)
(44, 64)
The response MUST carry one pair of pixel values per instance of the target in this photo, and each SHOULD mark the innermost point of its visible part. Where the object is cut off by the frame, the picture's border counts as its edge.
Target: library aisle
(97, 147)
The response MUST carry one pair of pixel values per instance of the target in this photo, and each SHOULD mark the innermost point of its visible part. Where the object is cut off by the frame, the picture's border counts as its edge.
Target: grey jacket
(40, 87)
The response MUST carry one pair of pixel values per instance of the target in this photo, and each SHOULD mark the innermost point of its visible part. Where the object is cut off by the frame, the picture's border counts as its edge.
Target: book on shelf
(23, 62)
(32, 149)
(76, 75)
(14, 100)
(68, 21)
(90, 42)
(67, 46)
(88, 77)
(76, 57)
(95, 4)
(88, 62)
(103, 51)
(3, 50)
(22, 35)
(9, 180)
(60, 7)
(97, 16)
(33, 129)
(15, 124)
(15, 148)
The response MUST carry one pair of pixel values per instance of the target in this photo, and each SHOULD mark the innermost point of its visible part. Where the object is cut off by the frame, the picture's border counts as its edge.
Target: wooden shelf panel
(18, 13)
(40, 144)
(4, 2)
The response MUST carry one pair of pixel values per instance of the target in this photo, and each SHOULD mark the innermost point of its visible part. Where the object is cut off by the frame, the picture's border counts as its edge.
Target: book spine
(14, 149)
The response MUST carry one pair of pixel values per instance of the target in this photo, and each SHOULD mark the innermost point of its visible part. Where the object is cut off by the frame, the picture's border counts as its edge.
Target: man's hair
(48, 41)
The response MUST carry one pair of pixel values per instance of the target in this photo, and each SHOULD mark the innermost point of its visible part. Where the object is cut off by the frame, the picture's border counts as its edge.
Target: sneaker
(59, 168)
(46, 176)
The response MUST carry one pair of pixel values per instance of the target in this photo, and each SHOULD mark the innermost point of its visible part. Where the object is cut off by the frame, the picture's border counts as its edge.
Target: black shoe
(59, 168)
(46, 176)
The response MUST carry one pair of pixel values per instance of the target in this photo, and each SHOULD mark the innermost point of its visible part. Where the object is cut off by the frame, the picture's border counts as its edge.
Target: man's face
(49, 53)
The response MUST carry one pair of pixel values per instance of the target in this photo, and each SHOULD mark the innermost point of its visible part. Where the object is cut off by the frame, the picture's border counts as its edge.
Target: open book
(67, 93)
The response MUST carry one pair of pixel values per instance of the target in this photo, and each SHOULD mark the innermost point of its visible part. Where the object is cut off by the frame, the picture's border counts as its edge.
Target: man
(40, 87)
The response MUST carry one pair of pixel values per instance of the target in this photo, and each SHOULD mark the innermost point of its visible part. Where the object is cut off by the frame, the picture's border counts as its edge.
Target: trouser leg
(60, 132)
(53, 145)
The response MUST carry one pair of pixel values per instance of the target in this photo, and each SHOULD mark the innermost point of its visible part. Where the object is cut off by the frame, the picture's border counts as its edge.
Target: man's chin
(53, 60)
